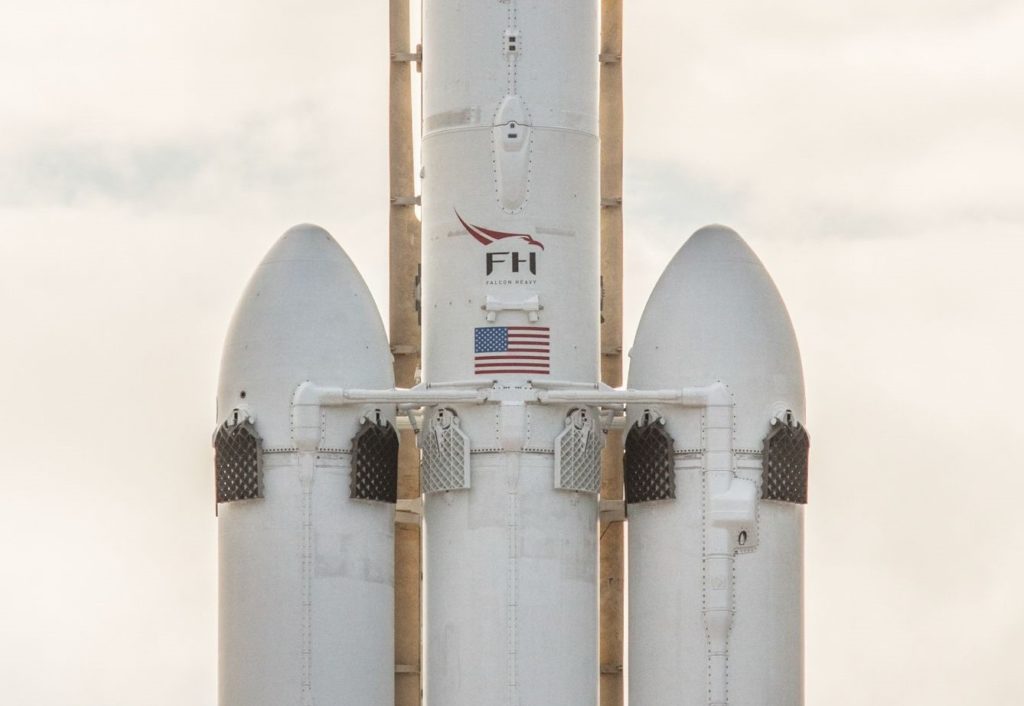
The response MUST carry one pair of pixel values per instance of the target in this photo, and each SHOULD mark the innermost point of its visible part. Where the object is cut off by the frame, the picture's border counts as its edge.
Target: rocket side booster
(510, 303)
(716, 491)
(306, 528)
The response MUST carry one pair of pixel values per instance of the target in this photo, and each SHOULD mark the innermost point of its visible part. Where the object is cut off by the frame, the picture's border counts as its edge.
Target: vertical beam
(404, 251)
(612, 533)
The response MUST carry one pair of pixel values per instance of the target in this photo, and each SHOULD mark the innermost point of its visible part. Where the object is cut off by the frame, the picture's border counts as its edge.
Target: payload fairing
(511, 418)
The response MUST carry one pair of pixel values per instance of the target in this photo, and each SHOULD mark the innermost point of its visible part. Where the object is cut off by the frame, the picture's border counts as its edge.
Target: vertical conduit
(513, 581)
(718, 547)
(307, 468)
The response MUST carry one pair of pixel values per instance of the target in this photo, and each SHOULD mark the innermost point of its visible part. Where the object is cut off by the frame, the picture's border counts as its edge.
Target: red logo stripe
(486, 236)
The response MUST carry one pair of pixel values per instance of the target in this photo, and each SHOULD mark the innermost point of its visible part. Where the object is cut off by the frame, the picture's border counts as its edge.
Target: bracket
(402, 57)
(405, 200)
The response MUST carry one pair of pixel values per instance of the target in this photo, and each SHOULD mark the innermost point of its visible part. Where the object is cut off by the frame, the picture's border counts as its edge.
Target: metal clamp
(403, 57)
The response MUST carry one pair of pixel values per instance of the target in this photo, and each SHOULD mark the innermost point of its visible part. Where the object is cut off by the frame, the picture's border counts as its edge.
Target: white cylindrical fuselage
(716, 572)
(306, 573)
(510, 185)
(510, 296)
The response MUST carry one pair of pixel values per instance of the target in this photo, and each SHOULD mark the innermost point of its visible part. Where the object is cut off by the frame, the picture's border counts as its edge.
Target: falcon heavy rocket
(511, 418)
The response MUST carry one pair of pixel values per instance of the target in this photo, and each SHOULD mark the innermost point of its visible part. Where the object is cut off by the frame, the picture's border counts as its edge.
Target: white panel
(510, 241)
(467, 65)
(270, 569)
(352, 596)
(511, 590)
(260, 591)
(716, 315)
(306, 574)
(561, 214)
(562, 34)
(771, 577)
(306, 314)
(464, 63)
(667, 647)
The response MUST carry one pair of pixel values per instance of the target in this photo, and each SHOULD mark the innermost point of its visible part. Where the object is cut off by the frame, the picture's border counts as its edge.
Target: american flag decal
(512, 349)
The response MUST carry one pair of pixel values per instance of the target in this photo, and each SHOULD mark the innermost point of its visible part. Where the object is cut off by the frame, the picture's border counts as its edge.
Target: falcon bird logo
(486, 236)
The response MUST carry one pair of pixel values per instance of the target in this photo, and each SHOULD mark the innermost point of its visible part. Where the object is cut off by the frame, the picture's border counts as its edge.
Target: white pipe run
(311, 395)
(687, 397)
(731, 503)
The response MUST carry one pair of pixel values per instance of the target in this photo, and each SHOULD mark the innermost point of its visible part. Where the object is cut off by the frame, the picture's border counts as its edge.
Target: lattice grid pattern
(375, 463)
(238, 460)
(648, 465)
(445, 462)
(786, 450)
(578, 453)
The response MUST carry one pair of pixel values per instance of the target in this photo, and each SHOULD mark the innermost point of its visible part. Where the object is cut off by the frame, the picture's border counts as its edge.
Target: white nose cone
(306, 565)
(305, 315)
(715, 314)
(716, 562)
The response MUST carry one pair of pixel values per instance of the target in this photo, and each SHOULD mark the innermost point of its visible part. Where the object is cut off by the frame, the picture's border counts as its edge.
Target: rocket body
(306, 572)
(510, 297)
(716, 566)
(510, 185)
(508, 423)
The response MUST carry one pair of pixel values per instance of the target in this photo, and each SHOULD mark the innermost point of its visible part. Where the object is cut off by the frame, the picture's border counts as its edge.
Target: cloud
(859, 123)
(291, 154)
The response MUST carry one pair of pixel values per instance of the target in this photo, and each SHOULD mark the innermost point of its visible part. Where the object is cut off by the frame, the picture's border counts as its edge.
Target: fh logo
(508, 262)
(516, 261)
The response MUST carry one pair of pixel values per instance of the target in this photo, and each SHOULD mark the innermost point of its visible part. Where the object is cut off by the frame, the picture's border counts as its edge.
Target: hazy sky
(872, 153)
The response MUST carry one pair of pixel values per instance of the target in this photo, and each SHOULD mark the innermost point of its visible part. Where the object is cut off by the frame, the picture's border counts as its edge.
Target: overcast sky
(872, 153)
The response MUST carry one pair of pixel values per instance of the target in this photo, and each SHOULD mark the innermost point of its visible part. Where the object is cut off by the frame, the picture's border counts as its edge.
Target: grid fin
(649, 463)
(786, 451)
(445, 447)
(375, 463)
(578, 453)
(238, 461)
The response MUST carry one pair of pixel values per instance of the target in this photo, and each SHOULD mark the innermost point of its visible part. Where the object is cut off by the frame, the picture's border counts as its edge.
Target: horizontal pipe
(421, 397)
(310, 394)
(715, 395)
(711, 395)
(564, 384)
